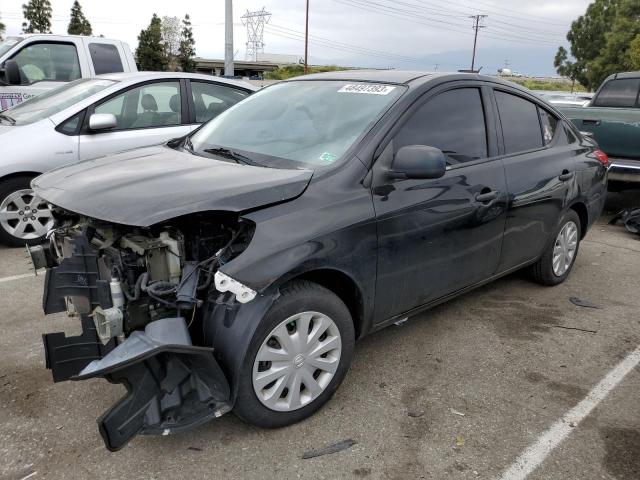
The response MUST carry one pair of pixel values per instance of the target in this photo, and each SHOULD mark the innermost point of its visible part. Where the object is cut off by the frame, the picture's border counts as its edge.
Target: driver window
(152, 105)
(56, 62)
(452, 121)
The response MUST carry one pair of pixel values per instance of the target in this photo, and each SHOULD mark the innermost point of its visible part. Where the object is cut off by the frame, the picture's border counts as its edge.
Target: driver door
(148, 114)
(438, 236)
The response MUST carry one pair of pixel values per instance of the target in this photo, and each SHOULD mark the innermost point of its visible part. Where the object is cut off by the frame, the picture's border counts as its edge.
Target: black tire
(8, 187)
(296, 297)
(542, 271)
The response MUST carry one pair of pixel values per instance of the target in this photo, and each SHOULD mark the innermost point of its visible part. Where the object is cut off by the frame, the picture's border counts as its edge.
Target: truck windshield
(56, 100)
(297, 124)
(8, 44)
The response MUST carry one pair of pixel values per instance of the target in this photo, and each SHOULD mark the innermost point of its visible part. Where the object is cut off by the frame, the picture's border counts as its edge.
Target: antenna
(255, 22)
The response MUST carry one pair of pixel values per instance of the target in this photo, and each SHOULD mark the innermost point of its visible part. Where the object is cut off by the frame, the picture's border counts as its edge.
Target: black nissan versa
(235, 268)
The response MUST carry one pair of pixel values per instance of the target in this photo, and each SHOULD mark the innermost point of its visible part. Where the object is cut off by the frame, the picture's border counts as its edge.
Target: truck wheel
(556, 262)
(297, 357)
(24, 217)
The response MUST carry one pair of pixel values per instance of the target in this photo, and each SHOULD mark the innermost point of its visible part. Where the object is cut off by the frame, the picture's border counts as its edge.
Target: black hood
(147, 186)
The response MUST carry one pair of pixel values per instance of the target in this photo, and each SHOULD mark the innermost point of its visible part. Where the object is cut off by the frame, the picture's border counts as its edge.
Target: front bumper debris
(171, 385)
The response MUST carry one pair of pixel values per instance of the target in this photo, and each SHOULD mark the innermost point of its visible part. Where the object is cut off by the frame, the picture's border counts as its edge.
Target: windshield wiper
(12, 121)
(233, 155)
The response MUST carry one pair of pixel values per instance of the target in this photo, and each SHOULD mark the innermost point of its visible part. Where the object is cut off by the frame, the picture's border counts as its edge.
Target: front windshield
(305, 123)
(8, 43)
(55, 100)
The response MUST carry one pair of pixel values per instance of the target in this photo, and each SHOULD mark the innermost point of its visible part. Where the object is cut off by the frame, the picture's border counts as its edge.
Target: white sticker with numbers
(370, 88)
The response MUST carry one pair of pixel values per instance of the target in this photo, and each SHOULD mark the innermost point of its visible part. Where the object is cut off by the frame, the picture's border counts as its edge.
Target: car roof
(133, 77)
(411, 78)
(383, 76)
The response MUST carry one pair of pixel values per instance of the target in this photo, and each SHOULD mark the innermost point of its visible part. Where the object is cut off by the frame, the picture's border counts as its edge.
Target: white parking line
(533, 456)
(16, 277)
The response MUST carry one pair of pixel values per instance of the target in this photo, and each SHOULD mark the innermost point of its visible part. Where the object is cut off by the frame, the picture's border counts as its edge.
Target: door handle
(590, 121)
(566, 175)
(487, 196)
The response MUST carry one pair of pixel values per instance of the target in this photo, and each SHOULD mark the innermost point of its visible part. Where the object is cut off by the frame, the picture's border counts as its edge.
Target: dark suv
(236, 267)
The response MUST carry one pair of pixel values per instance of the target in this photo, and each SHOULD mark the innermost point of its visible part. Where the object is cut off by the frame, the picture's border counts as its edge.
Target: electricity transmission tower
(255, 22)
(476, 26)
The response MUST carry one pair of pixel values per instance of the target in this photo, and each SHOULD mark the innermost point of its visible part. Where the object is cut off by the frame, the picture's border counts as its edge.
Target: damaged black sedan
(235, 268)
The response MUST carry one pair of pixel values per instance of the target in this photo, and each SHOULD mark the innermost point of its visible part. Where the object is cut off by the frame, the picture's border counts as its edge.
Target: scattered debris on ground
(336, 447)
(580, 302)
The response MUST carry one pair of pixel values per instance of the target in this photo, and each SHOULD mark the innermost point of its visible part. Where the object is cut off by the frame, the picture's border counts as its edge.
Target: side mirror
(102, 121)
(12, 72)
(419, 162)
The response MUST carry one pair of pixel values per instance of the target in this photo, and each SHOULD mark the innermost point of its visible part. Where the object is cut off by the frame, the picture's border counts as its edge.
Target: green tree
(78, 25)
(37, 16)
(2, 30)
(187, 49)
(615, 56)
(634, 53)
(151, 54)
(600, 42)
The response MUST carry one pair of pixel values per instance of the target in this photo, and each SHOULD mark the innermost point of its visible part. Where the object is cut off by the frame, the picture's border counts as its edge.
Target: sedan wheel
(24, 216)
(298, 355)
(297, 361)
(565, 248)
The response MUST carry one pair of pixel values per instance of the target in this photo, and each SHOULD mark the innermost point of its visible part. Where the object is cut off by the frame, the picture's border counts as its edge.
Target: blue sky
(413, 34)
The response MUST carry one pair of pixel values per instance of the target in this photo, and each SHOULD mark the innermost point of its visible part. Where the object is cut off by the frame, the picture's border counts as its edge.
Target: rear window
(520, 123)
(105, 58)
(618, 93)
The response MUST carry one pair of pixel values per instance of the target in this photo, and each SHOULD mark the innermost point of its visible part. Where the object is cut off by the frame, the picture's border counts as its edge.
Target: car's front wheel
(557, 261)
(24, 217)
(297, 358)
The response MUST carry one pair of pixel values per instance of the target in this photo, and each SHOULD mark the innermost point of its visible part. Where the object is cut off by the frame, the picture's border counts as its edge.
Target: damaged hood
(147, 186)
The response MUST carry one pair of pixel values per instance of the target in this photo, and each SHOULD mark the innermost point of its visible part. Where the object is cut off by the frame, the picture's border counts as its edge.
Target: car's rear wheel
(557, 261)
(297, 357)
(24, 217)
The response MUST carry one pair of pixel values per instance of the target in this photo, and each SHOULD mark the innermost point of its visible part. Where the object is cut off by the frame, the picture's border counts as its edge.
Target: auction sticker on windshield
(371, 89)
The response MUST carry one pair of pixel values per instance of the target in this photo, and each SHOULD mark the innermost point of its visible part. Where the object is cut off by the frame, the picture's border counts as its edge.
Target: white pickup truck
(34, 63)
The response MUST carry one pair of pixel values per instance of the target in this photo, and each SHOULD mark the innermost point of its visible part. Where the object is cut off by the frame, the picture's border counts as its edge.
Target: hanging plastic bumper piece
(171, 385)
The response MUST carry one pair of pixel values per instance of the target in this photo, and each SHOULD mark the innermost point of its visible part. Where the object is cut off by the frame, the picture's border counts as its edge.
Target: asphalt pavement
(471, 389)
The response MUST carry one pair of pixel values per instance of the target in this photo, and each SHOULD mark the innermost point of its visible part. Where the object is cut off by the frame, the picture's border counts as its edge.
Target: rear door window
(549, 124)
(211, 99)
(520, 123)
(105, 58)
(452, 121)
(47, 61)
(622, 93)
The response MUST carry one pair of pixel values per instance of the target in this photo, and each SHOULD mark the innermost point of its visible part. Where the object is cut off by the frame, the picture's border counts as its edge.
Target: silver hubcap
(297, 361)
(24, 215)
(565, 248)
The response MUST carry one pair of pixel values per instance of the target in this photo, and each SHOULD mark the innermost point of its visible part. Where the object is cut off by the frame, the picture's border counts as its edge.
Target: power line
(476, 26)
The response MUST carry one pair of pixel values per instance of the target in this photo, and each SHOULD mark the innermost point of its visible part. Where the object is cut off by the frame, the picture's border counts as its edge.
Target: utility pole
(476, 26)
(306, 41)
(228, 39)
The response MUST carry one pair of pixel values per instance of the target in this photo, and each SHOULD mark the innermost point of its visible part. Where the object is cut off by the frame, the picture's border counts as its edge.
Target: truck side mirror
(12, 72)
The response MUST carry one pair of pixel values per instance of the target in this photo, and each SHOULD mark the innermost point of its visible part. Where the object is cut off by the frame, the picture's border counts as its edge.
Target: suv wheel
(557, 261)
(297, 357)
(24, 217)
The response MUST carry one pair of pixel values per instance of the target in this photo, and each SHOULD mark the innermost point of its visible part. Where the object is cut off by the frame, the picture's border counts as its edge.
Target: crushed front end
(142, 295)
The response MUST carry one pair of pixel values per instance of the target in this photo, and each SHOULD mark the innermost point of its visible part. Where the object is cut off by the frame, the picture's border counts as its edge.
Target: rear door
(438, 236)
(540, 168)
(150, 113)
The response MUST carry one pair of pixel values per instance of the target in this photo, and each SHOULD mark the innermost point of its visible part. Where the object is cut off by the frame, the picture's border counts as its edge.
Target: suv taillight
(603, 157)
